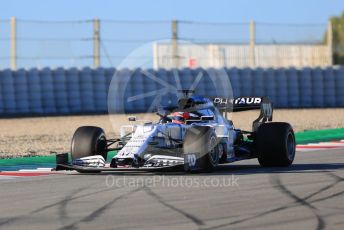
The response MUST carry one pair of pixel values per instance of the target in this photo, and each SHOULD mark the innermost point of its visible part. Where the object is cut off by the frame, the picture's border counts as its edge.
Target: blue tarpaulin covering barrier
(77, 91)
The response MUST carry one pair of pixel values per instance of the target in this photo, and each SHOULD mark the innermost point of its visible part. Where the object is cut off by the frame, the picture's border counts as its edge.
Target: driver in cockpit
(180, 117)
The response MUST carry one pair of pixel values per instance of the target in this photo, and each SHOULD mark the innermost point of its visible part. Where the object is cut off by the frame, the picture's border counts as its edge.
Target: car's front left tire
(88, 141)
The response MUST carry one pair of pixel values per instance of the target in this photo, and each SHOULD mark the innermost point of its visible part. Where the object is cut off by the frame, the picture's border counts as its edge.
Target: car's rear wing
(246, 103)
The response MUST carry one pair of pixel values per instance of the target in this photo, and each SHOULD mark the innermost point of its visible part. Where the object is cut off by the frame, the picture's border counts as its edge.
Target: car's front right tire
(202, 140)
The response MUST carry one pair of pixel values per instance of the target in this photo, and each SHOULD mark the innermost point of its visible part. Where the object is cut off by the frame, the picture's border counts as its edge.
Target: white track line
(36, 170)
(320, 146)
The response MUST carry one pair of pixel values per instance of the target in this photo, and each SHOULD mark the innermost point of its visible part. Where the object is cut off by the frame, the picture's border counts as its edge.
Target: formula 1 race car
(194, 135)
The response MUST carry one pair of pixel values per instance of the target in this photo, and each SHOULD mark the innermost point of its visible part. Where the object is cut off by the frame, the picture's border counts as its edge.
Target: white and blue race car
(194, 135)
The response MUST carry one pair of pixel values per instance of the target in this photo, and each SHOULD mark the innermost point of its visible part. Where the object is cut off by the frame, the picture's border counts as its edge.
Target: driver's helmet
(180, 117)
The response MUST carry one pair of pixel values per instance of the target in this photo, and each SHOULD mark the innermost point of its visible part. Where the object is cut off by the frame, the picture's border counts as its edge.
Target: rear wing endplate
(247, 103)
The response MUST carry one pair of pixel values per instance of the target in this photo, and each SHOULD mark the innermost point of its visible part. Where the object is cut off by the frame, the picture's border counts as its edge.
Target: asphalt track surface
(308, 195)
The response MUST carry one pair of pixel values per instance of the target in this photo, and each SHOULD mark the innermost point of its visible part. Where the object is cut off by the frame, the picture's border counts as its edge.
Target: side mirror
(162, 113)
(207, 118)
(132, 118)
(153, 143)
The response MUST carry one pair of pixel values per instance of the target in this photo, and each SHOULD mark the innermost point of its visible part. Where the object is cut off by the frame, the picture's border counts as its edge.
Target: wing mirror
(153, 143)
(162, 113)
(207, 118)
(132, 118)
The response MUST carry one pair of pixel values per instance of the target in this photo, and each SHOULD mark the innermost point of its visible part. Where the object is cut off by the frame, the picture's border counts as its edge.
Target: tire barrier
(305, 88)
(329, 88)
(339, 83)
(100, 90)
(258, 82)
(270, 85)
(60, 91)
(292, 88)
(78, 91)
(86, 90)
(35, 92)
(48, 92)
(8, 102)
(73, 90)
(317, 88)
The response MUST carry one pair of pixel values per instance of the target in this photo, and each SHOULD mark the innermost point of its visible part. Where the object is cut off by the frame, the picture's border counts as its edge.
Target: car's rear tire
(88, 141)
(275, 144)
(202, 140)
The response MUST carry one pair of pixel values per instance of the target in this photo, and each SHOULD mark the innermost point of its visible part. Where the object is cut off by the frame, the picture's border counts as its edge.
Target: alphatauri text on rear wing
(244, 104)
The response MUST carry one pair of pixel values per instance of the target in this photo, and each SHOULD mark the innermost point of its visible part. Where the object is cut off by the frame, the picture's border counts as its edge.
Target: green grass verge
(39, 161)
(301, 138)
(28, 160)
(319, 135)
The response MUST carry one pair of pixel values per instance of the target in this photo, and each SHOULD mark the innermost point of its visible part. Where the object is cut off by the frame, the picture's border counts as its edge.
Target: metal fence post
(13, 43)
(330, 42)
(252, 43)
(175, 57)
(96, 43)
